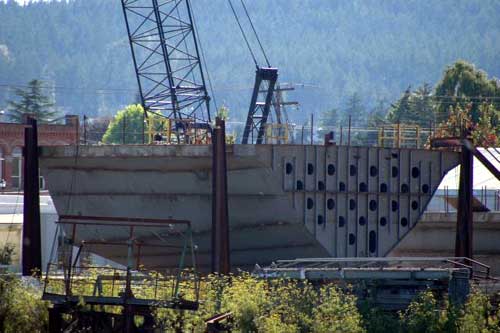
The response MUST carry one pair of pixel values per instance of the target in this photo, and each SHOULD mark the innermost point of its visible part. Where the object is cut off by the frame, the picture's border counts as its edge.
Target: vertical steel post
(32, 248)
(312, 128)
(349, 131)
(220, 224)
(463, 243)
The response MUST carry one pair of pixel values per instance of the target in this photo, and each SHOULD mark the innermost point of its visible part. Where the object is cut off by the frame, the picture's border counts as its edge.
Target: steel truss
(166, 58)
(258, 112)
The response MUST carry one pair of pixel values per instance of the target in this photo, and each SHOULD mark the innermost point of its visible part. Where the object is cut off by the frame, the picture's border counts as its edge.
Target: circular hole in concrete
(320, 219)
(310, 169)
(363, 187)
(330, 204)
(404, 222)
(383, 221)
(341, 221)
(352, 204)
(395, 172)
(321, 186)
(405, 188)
(373, 171)
(352, 239)
(415, 172)
(341, 187)
(362, 220)
(289, 168)
(352, 170)
(383, 188)
(414, 205)
(394, 205)
(373, 205)
(310, 203)
(425, 188)
(300, 185)
(331, 169)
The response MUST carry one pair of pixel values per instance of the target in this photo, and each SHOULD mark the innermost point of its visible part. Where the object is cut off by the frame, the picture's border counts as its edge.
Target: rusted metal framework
(76, 273)
(166, 56)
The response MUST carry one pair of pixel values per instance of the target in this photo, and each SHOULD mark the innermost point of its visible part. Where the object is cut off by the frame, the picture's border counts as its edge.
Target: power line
(243, 32)
(255, 32)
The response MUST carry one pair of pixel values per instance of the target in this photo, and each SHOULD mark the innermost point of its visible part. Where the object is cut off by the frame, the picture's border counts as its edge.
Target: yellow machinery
(277, 133)
(159, 131)
(399, 135)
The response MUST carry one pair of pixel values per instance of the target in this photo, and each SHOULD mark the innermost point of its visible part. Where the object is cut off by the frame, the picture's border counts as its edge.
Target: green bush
(21, 307)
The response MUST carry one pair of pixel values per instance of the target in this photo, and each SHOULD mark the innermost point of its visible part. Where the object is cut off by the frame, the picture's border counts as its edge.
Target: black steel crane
(166, 56)
(266, 78)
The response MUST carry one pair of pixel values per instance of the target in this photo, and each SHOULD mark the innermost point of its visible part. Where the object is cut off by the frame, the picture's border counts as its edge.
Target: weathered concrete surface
(434, 236)
(285, 201)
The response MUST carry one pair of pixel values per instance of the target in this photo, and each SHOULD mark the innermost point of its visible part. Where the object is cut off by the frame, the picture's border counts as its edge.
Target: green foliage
(6, 253)
(477, 316)
(467, 85)
(423, 315)
(21, 310)
(31, 101)
(415, 107)
(336, 312)
(372, 47)
(484, 133)
(126, 127)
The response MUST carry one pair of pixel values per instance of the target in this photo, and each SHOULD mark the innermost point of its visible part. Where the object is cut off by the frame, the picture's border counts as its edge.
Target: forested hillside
(335, 48)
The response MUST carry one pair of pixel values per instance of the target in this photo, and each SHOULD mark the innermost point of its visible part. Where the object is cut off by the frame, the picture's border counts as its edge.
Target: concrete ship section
(285, 201)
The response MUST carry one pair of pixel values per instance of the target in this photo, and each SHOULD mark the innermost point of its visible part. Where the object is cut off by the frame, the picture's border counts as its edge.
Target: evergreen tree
(328, 122)
(31, 101)
(415, 107)
(378, 114)
(356, 110)
(400, 111)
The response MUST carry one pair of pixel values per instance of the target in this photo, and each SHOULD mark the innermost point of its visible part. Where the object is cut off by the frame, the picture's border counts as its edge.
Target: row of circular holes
(362, 221)
(362, 187)
(330, 204)
(415, 171)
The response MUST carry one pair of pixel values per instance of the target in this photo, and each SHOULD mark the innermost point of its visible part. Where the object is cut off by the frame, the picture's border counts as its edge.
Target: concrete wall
(435, 235)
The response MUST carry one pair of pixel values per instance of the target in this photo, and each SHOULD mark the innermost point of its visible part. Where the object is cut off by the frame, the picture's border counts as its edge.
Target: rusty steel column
(463, 243)
(32, 247)
(220, 216)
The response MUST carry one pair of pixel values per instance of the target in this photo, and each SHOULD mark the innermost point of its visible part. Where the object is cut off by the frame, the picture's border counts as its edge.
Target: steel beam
(31, 250)
(463, 244)
(220, 224)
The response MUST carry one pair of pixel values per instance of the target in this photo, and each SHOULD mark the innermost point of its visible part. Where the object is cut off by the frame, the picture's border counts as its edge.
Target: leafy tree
(127, 126)
(462, 84)
(485, 132)
(31, 101)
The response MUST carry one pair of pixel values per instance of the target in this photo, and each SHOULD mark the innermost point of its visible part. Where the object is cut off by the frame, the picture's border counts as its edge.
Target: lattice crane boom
(167, 61)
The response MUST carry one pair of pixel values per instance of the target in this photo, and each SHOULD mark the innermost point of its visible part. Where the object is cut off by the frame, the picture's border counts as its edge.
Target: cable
(203, 58)
(243, 33)
(255, 32)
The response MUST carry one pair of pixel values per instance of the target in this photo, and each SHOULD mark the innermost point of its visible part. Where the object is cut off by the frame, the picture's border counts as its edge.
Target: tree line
(332, 50)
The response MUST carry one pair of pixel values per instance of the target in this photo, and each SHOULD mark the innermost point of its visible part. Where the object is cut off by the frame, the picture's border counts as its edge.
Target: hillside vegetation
(373, 48)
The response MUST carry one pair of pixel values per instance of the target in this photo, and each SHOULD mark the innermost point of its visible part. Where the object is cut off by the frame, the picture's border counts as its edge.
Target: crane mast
(166, 57)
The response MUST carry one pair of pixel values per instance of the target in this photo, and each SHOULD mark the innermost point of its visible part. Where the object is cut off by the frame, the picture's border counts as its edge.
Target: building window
(17, 167)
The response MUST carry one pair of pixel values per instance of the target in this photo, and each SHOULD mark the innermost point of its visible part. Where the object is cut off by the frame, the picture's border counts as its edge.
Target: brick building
(12, 142)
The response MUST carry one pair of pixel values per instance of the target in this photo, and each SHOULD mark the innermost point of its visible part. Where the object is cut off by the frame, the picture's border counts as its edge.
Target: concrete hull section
(285, 201)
